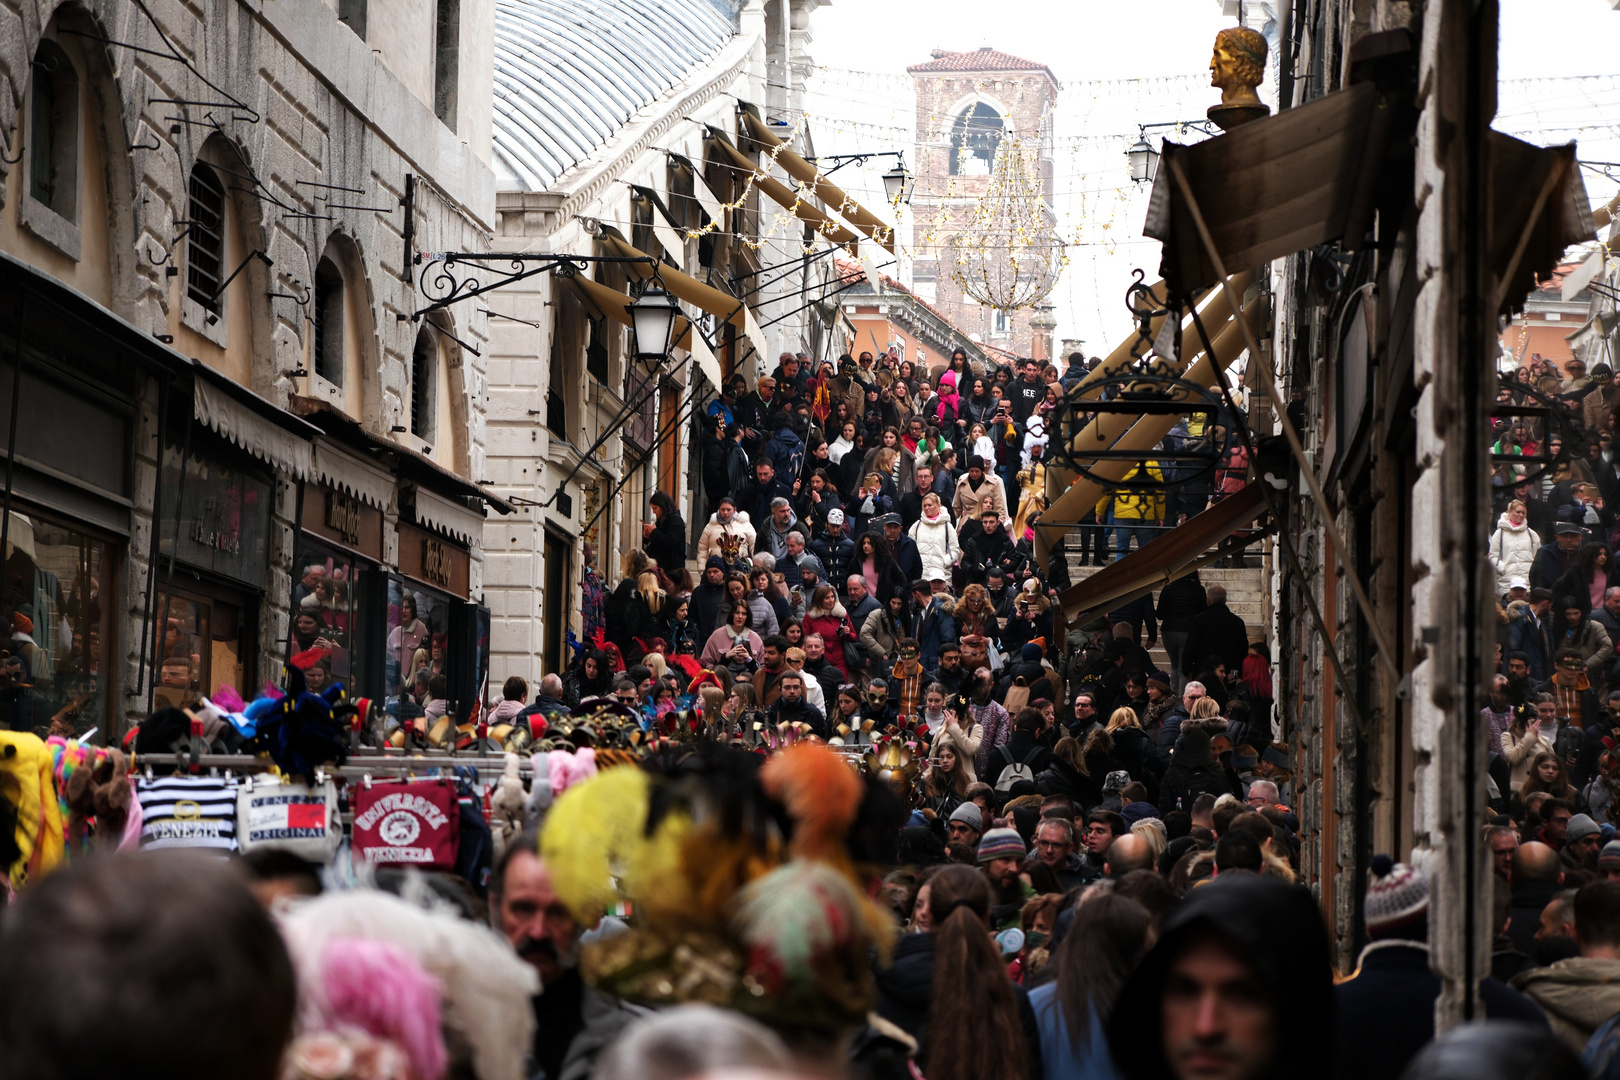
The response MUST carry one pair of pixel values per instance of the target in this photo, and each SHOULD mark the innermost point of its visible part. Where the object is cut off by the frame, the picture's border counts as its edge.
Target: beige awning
(825, 190)
(721, 305)
(783, 195)
(1272, 187)
(1174, 554)
(258, 426)
(615, 305)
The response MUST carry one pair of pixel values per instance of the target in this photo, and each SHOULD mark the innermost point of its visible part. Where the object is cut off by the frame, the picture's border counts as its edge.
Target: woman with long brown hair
(949, 989)
(1108, 937)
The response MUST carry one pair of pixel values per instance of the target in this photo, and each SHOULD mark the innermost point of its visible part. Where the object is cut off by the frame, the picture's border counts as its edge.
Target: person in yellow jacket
(1134, 511)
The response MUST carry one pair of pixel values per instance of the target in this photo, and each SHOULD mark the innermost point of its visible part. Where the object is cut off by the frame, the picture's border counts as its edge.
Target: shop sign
(343, 519)
(433, 560)
(343, 516)
(435, 563)
(221, 518)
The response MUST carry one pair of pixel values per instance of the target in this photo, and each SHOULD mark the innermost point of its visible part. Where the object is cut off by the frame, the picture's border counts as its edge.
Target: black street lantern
(1144, 160)
(652, 324)
(898, 182)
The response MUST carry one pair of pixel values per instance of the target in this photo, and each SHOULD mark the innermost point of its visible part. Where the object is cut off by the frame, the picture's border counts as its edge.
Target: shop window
(352, 13)
(53, 153)
(205, 237)
(325, 611)
(975, 137)
(200, 649)
(446, 59)
(424, 385)
(58, 608)
(328, 319)
(417, 651)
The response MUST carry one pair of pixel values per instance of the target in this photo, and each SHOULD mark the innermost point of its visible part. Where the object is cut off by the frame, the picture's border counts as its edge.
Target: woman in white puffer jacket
(1513, 546)
(936, 540)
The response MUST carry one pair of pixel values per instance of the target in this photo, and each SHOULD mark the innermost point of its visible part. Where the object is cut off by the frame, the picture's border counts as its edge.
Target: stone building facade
(966, 101)
(581, 436)
(203, 219)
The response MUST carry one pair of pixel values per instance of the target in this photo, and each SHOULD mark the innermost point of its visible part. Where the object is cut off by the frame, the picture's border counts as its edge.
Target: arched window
(974, 138)
(205, 237)
(53, 163)
(327, 314)
(424, 385)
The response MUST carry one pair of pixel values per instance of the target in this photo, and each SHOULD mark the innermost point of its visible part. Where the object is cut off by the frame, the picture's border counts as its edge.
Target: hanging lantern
(1008, 255)
(1144, 160)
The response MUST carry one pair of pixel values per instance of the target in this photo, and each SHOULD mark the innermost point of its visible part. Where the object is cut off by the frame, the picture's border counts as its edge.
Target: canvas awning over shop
(1174, 554)
(722, 305)
(614, 305)
(701, 191)
(811, 177)
(1272, 187)
(1539, 207)
(260, 427)
(783, 195)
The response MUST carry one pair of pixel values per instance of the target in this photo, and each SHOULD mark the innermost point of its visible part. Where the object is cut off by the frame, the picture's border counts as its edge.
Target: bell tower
(966, 103)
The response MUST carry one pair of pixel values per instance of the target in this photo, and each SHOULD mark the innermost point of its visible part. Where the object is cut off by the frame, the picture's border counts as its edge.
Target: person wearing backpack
(1022, 756)
(1193, 772)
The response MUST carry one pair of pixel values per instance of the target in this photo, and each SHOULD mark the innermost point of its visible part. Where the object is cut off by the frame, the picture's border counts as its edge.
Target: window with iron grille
(424, 385)
(205, 237)
(54, 132)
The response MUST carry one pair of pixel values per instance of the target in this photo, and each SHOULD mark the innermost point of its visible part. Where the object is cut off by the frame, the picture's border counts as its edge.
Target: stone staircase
(1248, 591)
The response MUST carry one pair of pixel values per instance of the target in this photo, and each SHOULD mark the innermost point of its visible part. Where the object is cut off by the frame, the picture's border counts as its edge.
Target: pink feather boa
(382, 990)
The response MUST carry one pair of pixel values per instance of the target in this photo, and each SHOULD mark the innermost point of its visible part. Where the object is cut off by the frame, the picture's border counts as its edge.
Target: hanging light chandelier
(1008, 255)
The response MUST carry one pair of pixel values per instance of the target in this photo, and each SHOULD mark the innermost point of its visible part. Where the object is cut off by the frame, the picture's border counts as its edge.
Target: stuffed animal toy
(506, 806)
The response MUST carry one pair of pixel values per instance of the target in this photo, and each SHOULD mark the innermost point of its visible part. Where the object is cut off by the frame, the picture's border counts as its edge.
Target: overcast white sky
(1144, 61)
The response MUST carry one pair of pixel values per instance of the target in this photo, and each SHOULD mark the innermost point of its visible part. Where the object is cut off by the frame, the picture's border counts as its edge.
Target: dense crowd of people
(843, 806)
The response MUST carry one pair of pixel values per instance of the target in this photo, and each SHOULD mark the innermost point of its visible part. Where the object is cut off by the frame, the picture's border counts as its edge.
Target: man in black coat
(988, 546)
(1385, 1012)
(1180, 602)
(1217, 631)
(756, 497)
(704, 608)
(902, 548)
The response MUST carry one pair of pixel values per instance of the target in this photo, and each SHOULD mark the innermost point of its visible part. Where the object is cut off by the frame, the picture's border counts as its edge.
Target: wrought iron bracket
(439, 283)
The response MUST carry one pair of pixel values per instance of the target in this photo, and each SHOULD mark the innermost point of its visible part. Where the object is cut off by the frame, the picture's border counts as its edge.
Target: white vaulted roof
(570, 73)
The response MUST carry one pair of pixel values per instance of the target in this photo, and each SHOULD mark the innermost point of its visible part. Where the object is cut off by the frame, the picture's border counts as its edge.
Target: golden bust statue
(1238, 66)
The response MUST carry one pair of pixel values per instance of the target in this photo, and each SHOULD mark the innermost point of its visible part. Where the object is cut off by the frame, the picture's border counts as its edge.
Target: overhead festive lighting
(1008, 255)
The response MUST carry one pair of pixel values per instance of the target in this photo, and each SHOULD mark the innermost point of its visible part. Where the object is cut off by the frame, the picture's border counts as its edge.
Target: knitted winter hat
(1001, 844)
(968, 814)
(1581, 825)
(1397, 895)
(1609, 857)
(715, 562)
(1115, 782)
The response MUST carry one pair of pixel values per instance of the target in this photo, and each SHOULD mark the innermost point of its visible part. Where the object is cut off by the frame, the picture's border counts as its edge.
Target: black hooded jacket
(1279, 930)
(1192, 772)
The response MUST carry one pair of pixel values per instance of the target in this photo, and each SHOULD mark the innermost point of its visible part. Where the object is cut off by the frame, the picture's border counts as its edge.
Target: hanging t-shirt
(187, 812)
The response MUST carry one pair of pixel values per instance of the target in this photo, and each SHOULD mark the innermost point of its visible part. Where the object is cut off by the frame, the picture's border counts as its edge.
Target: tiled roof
(571, 73)
(985, 59)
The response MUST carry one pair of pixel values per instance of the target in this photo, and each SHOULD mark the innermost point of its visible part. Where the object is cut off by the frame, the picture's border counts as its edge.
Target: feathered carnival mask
(748, 880)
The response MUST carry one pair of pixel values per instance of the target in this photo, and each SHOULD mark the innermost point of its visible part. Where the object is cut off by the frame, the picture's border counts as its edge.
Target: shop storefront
(340, 587)
(387, 572)
(67, 494)
(214, 525)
